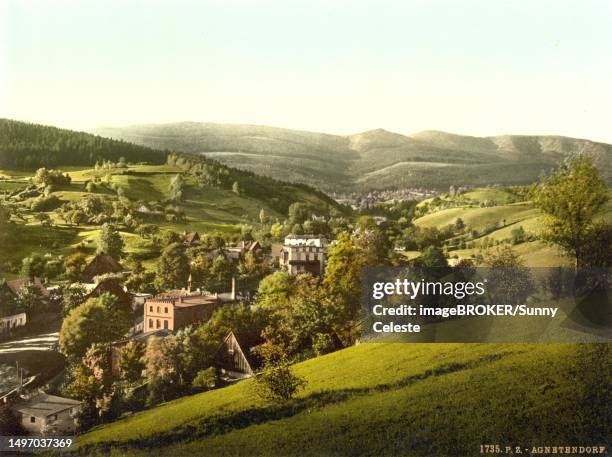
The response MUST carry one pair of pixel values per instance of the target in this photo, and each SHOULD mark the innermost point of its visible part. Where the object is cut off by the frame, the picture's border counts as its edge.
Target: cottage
(112, 286)
(237, 357)
(237, 252)
(304, 254)
(101, 264)
(12, 315)
(16, 285)
(45, 414)
(177, 309)
(191, 238)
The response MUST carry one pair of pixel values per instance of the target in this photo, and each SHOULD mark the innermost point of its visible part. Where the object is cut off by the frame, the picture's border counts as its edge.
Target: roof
(43, 405)
(247, 342)
(191, 237)
(101, 264)
(305, 240)
(16, 284)
(184, 299)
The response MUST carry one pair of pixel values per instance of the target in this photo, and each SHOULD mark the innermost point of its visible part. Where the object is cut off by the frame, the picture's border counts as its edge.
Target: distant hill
(25, 146)
(377, 159)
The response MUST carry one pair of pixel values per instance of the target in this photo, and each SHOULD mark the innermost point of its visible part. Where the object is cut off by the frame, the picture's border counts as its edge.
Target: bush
(205, 379)
(48, 203)
(277, 383)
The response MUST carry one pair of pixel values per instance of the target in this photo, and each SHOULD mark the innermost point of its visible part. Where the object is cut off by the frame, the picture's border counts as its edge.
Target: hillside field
(504, 212)
(375, 399)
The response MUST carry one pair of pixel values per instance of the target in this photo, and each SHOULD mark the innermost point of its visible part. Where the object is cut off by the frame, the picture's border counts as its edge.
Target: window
(165, 309)
(157, 324)
(150, 309)
(158, 309)
(150, 323)
(32, 420)
(166, 324)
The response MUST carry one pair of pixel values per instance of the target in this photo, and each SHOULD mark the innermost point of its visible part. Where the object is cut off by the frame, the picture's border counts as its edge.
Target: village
(159, 315)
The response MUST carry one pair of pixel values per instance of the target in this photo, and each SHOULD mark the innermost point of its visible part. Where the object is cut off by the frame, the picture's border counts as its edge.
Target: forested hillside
(25, 145)
(376, 159)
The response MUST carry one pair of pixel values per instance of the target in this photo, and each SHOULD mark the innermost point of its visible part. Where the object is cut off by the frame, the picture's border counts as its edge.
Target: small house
(191, 238)
(45, 414)
(100, 265)
(237, 357)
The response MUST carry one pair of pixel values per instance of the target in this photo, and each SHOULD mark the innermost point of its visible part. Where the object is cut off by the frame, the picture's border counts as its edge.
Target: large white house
(304, 254)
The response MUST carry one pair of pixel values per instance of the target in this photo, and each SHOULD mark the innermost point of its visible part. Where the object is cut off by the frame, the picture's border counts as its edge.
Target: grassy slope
(206, 209)
(508, 216)
(372, 399)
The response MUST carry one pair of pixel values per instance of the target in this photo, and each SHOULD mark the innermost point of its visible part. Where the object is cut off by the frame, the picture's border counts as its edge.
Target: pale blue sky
(471, 67)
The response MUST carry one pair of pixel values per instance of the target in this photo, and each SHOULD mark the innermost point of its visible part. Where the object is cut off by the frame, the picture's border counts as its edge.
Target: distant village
(361, 201)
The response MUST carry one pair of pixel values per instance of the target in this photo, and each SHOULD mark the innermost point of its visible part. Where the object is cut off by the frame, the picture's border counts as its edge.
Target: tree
(570, 199)
(131, 362)
(221, 272)
(298, 213)
(277, 382)
(91, 381)
(110, 242)
(31, 298)
(459, 224)
(74, 265)
(9, 423)
(263, 216)
(342, 283)
(251, 269)
(73, 295)
(98, 320)
(518, 235)
(173, 267)
(33, 266)
(509, 282)
(433, 257)
(274, 289)
(177, 187)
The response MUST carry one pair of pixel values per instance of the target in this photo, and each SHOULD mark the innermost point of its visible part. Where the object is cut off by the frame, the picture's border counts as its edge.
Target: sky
(472, 67)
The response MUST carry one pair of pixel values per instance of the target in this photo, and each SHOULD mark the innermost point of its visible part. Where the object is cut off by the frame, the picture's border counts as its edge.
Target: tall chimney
(233, 296)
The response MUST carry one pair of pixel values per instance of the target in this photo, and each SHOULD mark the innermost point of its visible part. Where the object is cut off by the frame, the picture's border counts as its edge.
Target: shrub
(205, 379)
(278, 383)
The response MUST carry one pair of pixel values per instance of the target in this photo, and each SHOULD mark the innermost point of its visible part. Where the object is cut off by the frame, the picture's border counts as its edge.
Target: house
(177, 309)
(16, 285)
(237, 357)
(101, 264)
(304, 254)
(11, 314)
(191, 238)
(112, 286)
(237, 252)
(45, 414)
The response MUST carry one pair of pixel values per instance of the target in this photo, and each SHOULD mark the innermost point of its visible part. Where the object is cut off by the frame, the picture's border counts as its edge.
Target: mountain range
(376, 159)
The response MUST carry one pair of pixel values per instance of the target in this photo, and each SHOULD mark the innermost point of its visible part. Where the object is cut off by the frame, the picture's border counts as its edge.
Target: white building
(47, 414)
(304, 254)
(12, 321)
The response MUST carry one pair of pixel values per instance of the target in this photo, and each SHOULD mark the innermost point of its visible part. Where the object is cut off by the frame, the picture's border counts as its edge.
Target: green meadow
(374, 399)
